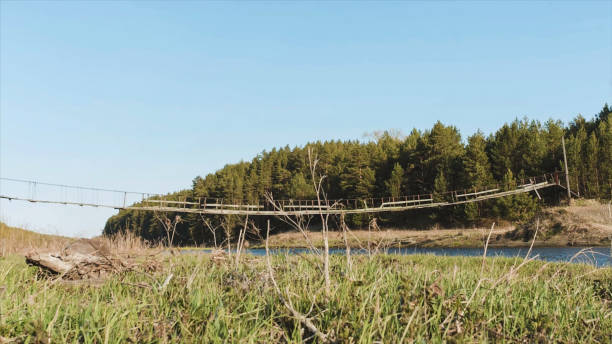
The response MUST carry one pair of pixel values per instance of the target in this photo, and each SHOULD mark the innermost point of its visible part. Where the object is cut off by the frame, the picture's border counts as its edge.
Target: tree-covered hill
(430, 161)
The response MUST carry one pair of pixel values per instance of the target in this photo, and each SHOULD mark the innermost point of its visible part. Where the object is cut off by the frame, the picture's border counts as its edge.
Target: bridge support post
(569, 193)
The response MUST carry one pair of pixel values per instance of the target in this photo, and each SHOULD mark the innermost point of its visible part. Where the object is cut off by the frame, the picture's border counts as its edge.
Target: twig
(514, 270)
(298, 223)
(324, 218)
(211, 229)
(484, 256)
(166, 282)
(241, 237)
(302, 318)
(345, 229)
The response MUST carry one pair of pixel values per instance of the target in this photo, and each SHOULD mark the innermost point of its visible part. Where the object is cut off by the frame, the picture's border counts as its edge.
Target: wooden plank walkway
(310, 207)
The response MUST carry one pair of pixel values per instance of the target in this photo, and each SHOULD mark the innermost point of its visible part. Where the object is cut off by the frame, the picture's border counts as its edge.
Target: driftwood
(82, 259)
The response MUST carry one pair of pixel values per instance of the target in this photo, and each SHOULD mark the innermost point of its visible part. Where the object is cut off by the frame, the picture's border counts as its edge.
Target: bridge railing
(34, 191)
(415, 200)
(64, 194)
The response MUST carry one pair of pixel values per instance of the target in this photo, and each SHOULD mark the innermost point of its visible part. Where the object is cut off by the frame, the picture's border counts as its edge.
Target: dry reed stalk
(287, 301)
(480, 280)
(508, 276)
(318, 186)
(345, 229)
(241, 238)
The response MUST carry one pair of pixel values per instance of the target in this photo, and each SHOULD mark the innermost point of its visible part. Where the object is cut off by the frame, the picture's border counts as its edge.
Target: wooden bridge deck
(310, 207)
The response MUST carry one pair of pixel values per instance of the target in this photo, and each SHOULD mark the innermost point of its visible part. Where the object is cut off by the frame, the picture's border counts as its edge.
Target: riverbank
(394, 238)
(388, 298)
(437, 238)
(585, 223)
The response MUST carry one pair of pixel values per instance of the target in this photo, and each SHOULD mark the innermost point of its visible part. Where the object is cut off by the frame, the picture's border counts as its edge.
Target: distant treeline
(431, 161)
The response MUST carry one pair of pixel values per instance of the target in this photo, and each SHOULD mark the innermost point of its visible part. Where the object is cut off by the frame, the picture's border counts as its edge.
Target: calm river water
(599, 256)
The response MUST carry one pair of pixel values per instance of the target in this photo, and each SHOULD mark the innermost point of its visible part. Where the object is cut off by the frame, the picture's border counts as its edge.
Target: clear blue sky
(148, 95)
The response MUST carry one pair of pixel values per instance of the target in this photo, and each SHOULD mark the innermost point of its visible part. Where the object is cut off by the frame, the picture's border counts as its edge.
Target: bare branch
(287, 301)
(298, 222)
(324, 217)
(169, 226)
(212, 229)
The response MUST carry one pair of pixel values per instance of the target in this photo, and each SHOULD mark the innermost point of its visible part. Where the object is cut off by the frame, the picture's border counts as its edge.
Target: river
(598, 256)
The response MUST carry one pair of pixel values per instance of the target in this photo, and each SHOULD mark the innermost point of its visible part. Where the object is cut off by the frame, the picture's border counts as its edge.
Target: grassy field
(388, 298)
(380, 299)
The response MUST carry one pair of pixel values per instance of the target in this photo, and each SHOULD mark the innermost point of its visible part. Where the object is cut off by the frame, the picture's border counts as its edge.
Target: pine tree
(300, 188)
(440, 187)
(603, 115)
(477, 173)
(394, 183)
(518, 207)
(501, 148)
(575, 145)
(476, 162)
(591, 157)
(553, 157)
(443, 152)
(358, 179)
(472, 212)
(605, 155)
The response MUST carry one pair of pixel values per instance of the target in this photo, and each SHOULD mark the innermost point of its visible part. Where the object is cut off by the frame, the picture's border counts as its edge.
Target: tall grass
(390, 299)
(17, 240)
(128, 243)
(592, 211)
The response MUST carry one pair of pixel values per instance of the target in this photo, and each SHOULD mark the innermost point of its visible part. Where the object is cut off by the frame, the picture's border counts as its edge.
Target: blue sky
(148, 95)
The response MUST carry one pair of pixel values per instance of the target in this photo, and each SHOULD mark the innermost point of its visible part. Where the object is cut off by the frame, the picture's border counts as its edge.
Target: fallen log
(82, 259)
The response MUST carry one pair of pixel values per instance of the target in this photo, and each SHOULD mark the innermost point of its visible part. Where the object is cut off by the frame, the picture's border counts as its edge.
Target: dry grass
(584, 223)
(15, 240)
(592, 211)
(128, 243)
(393, 237)
(20, 241)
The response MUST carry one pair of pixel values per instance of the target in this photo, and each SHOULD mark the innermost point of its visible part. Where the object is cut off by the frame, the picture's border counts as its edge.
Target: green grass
(389, 298)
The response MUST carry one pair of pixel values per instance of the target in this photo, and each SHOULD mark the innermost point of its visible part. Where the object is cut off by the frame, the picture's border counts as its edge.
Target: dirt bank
(585, 223)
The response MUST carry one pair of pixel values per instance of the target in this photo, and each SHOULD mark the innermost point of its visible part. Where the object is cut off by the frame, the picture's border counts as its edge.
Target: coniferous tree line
(433, 162)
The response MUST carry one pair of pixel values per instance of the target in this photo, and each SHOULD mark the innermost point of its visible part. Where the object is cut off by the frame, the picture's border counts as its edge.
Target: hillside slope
(584, 223)
(19, 240)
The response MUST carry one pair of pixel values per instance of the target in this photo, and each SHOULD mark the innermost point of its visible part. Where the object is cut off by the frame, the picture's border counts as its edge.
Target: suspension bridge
(39, 192)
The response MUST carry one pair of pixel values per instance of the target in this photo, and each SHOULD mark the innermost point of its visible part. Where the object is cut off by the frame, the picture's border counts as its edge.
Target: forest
(433, 161)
